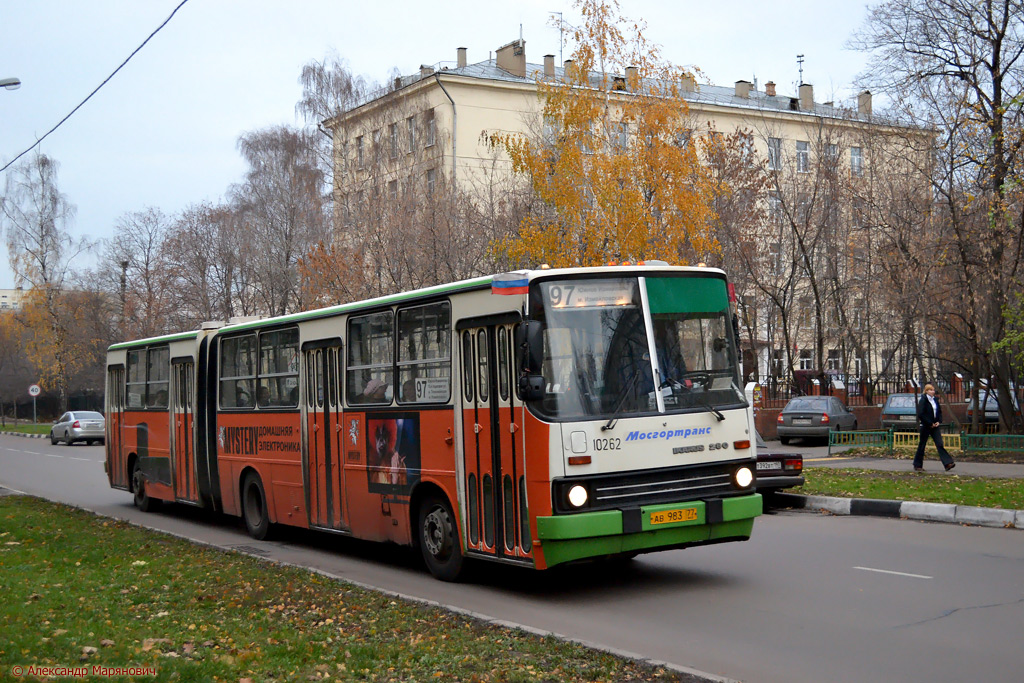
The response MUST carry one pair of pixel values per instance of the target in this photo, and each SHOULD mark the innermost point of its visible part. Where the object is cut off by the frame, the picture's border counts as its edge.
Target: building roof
(703, 94)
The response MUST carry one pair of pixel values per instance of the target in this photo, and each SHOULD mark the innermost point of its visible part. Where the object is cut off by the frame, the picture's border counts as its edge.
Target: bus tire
(143, 501)
(438, 538)
(254, 507)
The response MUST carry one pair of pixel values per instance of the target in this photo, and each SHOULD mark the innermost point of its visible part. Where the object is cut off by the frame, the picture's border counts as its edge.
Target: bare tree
(958, 66)
(281, 207)
(35, 216)
(134, 256)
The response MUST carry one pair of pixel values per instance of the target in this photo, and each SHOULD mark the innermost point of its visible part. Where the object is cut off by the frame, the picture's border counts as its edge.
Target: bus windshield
(604, 358)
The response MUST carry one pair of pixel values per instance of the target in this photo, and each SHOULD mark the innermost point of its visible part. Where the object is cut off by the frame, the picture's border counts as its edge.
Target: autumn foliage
(613, 166)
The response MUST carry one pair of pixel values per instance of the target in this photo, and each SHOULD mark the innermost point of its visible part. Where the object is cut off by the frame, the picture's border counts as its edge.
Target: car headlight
(577, 496)
(743, 477)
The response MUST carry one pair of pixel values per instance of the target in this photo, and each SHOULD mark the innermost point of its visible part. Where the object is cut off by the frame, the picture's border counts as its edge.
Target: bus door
(492, 440)
(322, 437)
(183, 441)
(115, 427)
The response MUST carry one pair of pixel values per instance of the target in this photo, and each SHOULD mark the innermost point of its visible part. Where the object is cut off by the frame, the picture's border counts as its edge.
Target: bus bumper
(565, 538)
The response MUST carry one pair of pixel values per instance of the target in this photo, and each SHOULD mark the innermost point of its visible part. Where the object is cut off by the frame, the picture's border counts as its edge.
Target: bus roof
(448, 288)
(179, 336)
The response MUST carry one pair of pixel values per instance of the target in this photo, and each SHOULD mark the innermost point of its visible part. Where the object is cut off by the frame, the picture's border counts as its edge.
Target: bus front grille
(649, 487)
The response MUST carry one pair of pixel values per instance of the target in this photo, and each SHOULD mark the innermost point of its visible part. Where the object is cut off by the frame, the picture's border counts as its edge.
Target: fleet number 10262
(607, 444)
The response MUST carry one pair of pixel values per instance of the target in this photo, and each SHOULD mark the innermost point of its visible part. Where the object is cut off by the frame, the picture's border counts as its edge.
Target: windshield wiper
(620, 399)
(710, 408)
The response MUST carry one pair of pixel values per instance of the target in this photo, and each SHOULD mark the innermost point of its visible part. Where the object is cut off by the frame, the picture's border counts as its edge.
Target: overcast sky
(163, 131)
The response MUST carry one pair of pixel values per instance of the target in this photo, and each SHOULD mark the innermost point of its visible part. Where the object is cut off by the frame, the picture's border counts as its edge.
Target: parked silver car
(78, 425)
(814, 416)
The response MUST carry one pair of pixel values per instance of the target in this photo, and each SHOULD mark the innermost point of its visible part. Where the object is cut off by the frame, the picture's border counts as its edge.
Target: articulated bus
(535, 418)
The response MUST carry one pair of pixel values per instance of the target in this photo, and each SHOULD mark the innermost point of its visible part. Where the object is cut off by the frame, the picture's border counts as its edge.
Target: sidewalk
(929, 512)
(931, 466)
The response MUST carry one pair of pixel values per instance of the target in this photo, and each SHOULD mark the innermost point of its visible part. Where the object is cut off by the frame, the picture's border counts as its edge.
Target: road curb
(24, 435)
(906, 509)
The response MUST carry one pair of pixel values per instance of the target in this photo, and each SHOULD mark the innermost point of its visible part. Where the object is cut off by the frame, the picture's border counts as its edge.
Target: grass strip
(1007, 494)
(27, 429)
(82, 591)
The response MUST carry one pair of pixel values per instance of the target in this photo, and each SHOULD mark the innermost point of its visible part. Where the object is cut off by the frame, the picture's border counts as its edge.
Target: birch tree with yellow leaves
(612, 164)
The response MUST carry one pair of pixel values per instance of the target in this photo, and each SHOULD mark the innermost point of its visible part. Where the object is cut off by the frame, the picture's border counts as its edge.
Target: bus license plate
(669, 516)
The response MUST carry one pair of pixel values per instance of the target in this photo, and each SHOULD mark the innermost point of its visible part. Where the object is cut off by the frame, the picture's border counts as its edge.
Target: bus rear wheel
(438, 539)
(254, 507)
(143, 501)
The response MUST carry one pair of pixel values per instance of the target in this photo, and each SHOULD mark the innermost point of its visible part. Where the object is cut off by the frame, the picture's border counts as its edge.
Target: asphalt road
(810, 597)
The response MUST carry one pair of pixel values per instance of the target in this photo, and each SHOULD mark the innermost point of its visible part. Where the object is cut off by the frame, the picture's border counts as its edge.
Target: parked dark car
(989, 399)
(78, 425)
(776, 471)
(814, 416)
(900, 412)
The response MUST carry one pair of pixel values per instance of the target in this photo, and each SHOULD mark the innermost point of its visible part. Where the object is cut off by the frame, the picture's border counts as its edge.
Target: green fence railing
(963, 441)
(991, 442)
(876, 438)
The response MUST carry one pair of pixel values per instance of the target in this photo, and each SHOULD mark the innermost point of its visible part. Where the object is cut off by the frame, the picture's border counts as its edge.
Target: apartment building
(434, 127)
(10, 299)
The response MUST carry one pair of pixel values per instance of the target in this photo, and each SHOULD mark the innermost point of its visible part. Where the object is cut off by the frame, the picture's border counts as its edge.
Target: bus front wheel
(438, 539)
(254, 507)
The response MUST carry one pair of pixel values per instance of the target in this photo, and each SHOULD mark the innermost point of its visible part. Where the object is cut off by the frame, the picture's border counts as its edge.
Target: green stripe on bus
(154, 340)
(478, 283)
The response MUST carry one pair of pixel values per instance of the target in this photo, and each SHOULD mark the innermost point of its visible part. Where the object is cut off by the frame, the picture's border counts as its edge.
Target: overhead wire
(105, 80)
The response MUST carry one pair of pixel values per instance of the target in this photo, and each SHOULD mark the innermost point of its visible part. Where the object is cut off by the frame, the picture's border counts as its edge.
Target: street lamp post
(10, 83)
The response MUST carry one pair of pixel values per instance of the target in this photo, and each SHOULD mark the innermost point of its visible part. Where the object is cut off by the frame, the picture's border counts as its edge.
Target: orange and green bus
(533, 418)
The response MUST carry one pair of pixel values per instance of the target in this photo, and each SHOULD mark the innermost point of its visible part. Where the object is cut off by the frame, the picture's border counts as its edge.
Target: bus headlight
(578, 496)
(743, 477)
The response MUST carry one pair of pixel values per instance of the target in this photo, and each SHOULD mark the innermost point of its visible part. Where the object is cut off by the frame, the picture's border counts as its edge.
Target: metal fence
(957, 441)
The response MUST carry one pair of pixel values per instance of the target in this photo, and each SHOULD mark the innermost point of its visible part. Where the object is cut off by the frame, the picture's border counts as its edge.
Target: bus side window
(369, 378)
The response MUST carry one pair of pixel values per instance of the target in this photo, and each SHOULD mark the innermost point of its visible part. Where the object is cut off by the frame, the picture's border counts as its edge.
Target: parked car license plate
(907, 418)
(801, 420)
(769, 465)
(669, 516)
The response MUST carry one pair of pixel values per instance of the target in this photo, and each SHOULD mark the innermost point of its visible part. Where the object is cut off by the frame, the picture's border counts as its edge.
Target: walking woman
(929, 415)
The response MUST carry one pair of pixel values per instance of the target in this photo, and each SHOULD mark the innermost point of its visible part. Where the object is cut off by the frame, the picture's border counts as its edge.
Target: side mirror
(531, 387)
(530, 347)
(530, 359)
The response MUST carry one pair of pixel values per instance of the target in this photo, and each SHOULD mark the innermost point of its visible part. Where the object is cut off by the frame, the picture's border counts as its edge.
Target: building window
(343, 154)
(393, 190)
(832, 154)
(393, 131)
(778, 363)
(622, 134)
(410, 127)
(803, 156)
(431, 180)
(859, 366)
(359, 151)
(833, 360)
(431, 127)
(775, 154)
(856, 161)
(806, 361)
(775, 207)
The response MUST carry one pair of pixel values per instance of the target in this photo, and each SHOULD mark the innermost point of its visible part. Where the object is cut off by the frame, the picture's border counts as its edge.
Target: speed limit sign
(34, 390)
